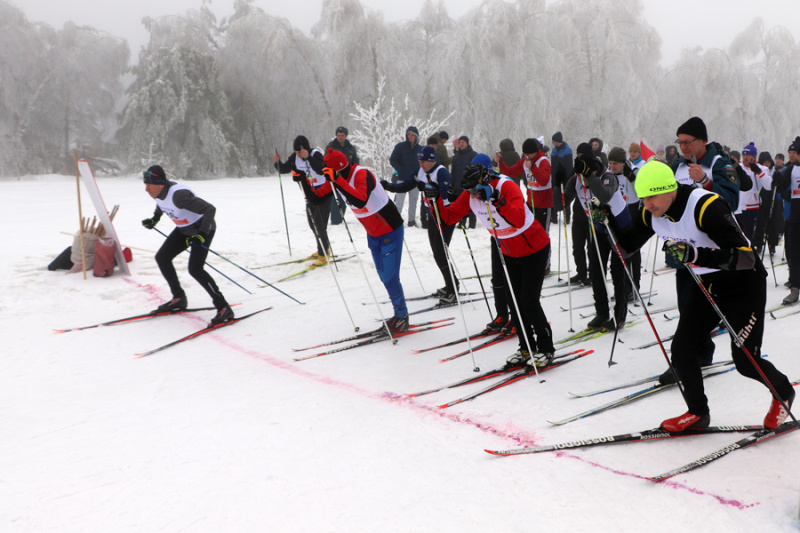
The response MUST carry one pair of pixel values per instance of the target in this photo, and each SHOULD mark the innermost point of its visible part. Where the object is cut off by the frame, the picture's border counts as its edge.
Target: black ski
(491, 342)
(134, 318)
(513, 378)
(484, 333)
(755, 438)
(366, 334)
(505, 369)
(640, 436)
(372, 340)
(203, 331)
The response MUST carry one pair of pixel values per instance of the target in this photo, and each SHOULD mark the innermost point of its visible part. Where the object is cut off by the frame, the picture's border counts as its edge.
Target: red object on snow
(647, 153)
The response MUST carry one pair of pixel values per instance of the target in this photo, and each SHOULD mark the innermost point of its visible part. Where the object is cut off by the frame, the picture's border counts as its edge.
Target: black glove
(386, 185)
(421, 185)
(149, 223)
(195, 239)
(584, 165)
(682, 252)
(627, 171)
(298, 175)
(755, 168)
(431, 191)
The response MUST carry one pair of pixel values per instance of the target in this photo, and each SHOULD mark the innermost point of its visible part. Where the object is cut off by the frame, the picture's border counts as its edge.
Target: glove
(149, 223)
(627, 171)
(298, 175)
(431, 191)
(584, 165)
(755, 168)
(600, 212)
(421, 185)
(682, 252)
(329, 173)
(195, 239)
(488, 193)
(386, 185)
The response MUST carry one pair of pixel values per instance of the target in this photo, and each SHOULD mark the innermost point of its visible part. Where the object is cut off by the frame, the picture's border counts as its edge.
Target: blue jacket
(405, 157)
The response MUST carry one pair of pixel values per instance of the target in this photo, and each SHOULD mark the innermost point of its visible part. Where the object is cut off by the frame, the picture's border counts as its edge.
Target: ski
(373, 340)
(513, 378)
(637, 382)
(589, 334)
(134, 318)
(203, 331)
(310, 268)
(442, 306)
(611, 299)
(638, 395)
(426, 297)
(505, 369)
(755, 438)
(714, 333)
(303, 260)
(784, 315)
(639, 436)
(377, 331)
(482, 334)
(491, 342)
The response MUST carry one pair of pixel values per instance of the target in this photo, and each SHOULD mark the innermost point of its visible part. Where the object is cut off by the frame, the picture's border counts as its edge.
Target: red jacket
(364, 185)
(540, 189)
(513, 211)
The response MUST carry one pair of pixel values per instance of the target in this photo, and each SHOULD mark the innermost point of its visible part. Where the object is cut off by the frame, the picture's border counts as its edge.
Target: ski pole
(522, 327)
(653, 273)
(477, 273)
(438, 221)
(739, 342)
(765, 242)
(283, 203)
(617, 249)
(566, 246)
(602, 266)
(329, 259)
(212, 267)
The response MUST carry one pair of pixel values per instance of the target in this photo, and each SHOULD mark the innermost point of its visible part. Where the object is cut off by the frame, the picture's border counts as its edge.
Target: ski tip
(492, 452)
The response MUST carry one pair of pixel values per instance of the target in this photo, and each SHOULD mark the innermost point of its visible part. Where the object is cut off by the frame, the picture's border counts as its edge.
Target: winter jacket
(538, 182)
(348, 150)
(599, 153)
(510, 157)
(461, 158)
(723, 178)
(561, 168)
(358, 189)
(405, 156)
(314, 192)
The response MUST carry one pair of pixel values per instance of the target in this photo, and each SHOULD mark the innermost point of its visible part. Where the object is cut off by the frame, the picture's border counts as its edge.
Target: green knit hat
(654, 178)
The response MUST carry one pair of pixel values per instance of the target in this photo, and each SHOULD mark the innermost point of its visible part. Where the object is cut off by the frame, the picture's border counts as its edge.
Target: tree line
(217, 97)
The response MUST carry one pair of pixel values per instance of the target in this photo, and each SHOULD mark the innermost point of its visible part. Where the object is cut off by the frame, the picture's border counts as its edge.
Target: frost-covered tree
(177, 101)
(382, 125)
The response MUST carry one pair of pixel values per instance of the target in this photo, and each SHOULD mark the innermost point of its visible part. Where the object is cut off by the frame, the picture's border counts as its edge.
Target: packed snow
(227, 432)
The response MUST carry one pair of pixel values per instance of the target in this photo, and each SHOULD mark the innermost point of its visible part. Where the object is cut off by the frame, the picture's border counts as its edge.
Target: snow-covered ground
(228, 433)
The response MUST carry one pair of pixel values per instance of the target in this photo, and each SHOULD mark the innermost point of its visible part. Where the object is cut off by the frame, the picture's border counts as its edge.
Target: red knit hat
(336, 160)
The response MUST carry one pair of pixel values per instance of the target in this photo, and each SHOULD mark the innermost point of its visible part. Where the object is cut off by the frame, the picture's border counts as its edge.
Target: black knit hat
(155, 175)
(584, 149)
(557, 137)
(617, 154)
(301, 142)
(342, 129)
(694, 127)
(763, 157)
(531, 146)
(795, 146)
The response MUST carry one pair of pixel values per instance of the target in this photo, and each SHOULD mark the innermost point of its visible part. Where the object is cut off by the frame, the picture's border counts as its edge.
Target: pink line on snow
(507, 431)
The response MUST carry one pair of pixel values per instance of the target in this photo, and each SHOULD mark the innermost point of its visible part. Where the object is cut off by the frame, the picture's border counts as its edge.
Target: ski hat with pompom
(750, 149)
(654, 178)
(336, 160)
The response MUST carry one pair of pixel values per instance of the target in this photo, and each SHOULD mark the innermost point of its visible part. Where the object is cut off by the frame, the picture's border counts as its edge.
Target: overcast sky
(681, 23)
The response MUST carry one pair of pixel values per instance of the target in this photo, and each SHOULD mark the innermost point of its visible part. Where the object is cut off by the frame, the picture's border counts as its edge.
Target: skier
(305, 165)
(194, 218)
(382, 221)
(498, 203)
(431, 172)
(699, 231)
(787, 183)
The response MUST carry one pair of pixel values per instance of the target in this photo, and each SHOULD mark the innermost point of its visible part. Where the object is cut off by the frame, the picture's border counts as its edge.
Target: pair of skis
(371, 337)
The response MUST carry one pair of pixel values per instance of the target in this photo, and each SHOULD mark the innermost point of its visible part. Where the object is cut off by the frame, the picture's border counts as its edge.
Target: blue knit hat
(750, 149)
(428, 153)
(483, 159)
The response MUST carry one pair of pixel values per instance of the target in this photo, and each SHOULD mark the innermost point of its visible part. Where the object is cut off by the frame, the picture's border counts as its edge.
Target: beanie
(763, 157)
(780, 156)
(335, 160)
(433, 139)
(301, 142)
(443, 135)
(617, 154)
(750, 149)
(155, 175)
(531, 146)
(736, 156)
(654, 178)
(584, 149)
(634, 147)
(694, 127)
(483, 159)
(428, 153)
(464, 138)
(795, 146)
(660, 148)
(557, 137)
(342, 129)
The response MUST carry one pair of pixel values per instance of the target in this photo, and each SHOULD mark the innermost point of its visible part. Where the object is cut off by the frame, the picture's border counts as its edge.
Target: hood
(414, 130)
